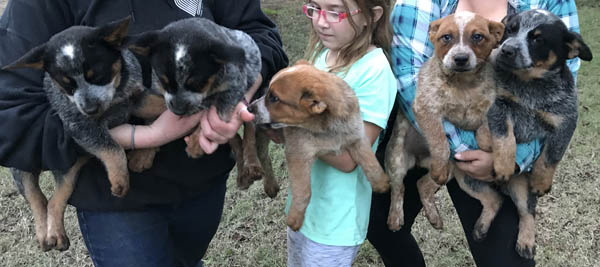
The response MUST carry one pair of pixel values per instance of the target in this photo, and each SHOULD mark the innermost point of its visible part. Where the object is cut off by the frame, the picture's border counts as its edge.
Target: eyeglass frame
(320, 12)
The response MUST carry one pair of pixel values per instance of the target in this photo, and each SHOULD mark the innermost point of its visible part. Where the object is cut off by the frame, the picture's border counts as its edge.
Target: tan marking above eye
(164, 79)
(89, 74)
(66, 79)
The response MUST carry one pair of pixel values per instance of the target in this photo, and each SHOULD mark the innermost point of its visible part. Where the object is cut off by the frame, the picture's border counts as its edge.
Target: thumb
(468, 155)
(243, 113)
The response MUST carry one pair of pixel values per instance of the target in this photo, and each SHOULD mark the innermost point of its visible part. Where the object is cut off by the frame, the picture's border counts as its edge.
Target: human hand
(215, 131)
(169, 126)
(476, 163)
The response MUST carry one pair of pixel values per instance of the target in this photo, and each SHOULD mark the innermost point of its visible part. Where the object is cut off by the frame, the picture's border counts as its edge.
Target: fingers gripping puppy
(319, 114)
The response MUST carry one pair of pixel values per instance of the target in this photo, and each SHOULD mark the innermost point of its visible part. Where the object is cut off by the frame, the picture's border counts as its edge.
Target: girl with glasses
(350, 38)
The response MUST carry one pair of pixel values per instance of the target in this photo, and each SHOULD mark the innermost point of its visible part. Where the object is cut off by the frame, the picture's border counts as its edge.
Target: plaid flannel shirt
(411, 48)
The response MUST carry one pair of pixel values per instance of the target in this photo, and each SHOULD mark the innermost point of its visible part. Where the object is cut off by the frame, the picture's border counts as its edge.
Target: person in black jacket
(172, 210)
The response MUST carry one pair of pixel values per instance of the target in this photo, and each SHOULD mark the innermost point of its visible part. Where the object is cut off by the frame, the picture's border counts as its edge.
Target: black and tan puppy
(538, 99)
(319, 114)
(90, 82)
(196, 64)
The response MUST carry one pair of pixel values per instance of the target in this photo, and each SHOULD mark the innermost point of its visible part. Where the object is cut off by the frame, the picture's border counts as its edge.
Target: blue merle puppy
(196, 64)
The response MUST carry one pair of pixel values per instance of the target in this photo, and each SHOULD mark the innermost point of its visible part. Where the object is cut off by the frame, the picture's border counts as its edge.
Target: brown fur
(319, 114)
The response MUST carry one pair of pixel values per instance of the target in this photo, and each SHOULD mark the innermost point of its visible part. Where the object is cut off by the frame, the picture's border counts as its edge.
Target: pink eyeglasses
(329, 16)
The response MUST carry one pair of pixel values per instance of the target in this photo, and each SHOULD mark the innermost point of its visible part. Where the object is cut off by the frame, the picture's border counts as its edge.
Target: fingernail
(458, 156)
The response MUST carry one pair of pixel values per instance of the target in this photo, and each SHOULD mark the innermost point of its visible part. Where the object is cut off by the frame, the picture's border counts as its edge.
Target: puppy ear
(312, 103)
(142, 44)
(223, 53)
(497, 30)
(433, 28)
(115, 32)
(506, 19)
(577, 48)
(33, 59)
(302, 62)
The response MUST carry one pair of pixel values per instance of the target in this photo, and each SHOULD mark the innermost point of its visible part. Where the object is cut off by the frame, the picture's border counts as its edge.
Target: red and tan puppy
(319, 114)
(456, 84)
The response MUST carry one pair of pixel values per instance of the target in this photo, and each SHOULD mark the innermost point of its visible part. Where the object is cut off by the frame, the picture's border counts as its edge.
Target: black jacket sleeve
(247, 16)
(31, 135)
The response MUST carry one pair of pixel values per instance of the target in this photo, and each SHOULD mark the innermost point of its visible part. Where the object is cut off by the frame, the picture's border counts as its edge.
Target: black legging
(401, 249)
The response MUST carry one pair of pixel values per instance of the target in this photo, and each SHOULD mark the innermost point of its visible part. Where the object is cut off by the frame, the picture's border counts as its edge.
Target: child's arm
(343, 161)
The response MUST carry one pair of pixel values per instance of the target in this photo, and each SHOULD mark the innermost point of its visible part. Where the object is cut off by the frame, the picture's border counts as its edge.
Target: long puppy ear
(577, 48)
(34, 59)
(142, 44)
(114, 33)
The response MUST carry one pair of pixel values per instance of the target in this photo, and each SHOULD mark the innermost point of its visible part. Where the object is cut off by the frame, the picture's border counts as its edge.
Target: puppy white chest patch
(68, 51)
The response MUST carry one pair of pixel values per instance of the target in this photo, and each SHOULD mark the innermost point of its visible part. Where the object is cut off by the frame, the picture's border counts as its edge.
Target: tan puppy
(457, 85)
(319, 114)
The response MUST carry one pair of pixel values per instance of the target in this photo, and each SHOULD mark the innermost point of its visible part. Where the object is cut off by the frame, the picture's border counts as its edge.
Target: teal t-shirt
(338, 212)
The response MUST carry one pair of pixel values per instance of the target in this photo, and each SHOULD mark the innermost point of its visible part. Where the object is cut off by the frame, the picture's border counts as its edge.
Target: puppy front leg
(362, 154)
(252, 169)
(65, 183)
(193, 148)
(270, 184)
(433, 131)
(299, 172)
(29, 187)
(504, 149)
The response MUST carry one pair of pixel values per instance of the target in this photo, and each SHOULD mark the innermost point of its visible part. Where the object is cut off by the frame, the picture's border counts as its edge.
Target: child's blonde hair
(378, 34)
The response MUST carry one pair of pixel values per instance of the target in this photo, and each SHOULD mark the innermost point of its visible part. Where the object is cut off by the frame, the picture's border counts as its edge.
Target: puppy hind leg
(299, 174)
(525, 201)
(29, 187)
(65, 183)
(427, 189)
(490, 199)
(362, 154)
(238, 152)
(270, 184)
(396, 164)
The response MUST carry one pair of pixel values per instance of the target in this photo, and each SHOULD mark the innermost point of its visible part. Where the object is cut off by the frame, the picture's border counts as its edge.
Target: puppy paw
(271, 189)
(525, 250)
(540, 188)
(433, 216)
(193, 148)
(295, 221)
(57, 240)
(119, 190)
(439, 173)
(479, 232)
(503, 173)
(253, 172)
(395, 219)
(140, 160)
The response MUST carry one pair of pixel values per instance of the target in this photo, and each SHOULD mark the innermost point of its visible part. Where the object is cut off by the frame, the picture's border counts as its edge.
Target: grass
(252, 230)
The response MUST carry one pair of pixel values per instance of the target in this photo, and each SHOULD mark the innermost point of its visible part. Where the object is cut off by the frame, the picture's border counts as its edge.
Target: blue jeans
(162, 235)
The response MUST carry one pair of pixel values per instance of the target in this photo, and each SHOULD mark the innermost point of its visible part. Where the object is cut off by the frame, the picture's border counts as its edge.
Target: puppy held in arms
(319, 114)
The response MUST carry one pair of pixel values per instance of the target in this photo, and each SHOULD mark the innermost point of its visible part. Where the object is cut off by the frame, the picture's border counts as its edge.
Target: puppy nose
(91, 109)
(461, 59)
(508, 51)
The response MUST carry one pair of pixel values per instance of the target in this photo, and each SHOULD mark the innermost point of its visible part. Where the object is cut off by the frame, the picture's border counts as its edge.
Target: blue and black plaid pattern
(411, 48)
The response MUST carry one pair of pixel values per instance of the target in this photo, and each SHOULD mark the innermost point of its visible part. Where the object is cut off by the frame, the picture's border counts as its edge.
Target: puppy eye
(67, 84)
(273, 98)
(511, 28)
(538, 40)
(446, 38)
(477, 37)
